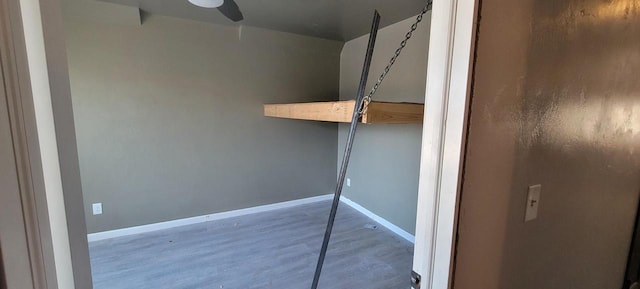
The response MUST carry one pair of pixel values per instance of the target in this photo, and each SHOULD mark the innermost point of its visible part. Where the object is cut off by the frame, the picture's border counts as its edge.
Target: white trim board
(451, 49)
(236, 213)
(201, 219)
(393, 228)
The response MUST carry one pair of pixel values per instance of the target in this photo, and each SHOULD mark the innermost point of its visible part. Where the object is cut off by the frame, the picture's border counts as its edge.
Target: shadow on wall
(578, 137)
(3, 282)
(555, 102)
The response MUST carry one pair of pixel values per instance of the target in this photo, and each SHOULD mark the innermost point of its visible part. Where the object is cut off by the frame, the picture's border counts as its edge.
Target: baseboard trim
(201, 219)
(241, 212)
(393, 228)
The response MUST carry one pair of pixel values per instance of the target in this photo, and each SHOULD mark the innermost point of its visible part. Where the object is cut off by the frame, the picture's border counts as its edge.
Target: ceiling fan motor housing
(207, 3)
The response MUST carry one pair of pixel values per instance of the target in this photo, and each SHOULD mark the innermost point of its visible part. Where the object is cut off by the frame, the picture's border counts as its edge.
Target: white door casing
(446, 102)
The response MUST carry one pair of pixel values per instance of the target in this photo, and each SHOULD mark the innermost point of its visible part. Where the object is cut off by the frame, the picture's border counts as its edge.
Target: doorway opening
(186, 183)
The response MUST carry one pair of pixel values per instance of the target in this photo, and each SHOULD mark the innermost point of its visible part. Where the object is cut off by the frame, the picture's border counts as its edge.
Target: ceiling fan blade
(231, 10)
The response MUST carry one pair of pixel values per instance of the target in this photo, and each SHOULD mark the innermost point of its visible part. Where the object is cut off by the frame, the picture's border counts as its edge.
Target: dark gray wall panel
(385, 160)
(169, 116)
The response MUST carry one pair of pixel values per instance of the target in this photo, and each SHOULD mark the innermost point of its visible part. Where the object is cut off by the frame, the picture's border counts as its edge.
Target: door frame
(44, 140)
(448, 85)
(451, 49)
(17, 94)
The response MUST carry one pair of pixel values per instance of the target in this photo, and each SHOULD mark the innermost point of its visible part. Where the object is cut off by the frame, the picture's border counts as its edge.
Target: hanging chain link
(367, 99)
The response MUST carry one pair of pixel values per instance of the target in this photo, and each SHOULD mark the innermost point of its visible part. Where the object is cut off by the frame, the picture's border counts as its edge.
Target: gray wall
(556, 102)
(386, 158)
(14, 249)
(169, 115)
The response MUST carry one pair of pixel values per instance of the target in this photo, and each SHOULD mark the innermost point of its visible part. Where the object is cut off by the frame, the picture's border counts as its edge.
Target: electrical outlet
(348, 182)
(97, 209)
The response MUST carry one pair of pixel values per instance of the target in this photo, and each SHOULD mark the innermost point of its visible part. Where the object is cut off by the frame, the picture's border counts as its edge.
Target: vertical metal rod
(348, 147)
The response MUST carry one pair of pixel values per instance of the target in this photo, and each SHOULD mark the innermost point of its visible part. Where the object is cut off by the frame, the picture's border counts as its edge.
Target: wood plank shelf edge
(341, 111)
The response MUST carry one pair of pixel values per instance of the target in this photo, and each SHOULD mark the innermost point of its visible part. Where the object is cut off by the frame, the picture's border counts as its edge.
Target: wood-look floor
(277, 249)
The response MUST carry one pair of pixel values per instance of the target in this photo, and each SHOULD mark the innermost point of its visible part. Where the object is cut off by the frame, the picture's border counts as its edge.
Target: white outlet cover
(533, 202)
(348, 182)
(97, 209)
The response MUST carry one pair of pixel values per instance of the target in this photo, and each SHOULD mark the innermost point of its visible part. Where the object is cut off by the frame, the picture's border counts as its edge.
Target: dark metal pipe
(348, 147)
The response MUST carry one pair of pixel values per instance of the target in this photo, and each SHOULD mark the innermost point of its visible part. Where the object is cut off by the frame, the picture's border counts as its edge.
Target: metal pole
(348, 147)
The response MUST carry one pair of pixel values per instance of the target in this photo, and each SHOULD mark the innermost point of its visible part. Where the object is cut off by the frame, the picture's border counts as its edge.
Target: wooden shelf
(342, 111)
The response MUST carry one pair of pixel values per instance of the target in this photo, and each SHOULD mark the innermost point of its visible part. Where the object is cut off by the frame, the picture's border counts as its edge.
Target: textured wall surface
(169, 115)
(556, 102)
(386, 158)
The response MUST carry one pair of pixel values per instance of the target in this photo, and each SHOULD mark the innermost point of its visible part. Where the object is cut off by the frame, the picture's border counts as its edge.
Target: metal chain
(367, 99)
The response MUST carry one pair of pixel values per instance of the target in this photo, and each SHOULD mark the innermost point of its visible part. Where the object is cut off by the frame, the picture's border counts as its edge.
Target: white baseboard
(393, 228)
(201, 219)
(241, 212)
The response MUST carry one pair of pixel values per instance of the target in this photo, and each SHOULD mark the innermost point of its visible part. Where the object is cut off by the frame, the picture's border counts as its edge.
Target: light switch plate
(97, 209)
(533, 202)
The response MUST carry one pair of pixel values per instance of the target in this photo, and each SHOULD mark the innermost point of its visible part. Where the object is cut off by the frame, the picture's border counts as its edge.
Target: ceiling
(331, 19)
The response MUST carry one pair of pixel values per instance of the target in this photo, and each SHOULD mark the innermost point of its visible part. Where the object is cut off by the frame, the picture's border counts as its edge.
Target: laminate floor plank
(277, 249)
